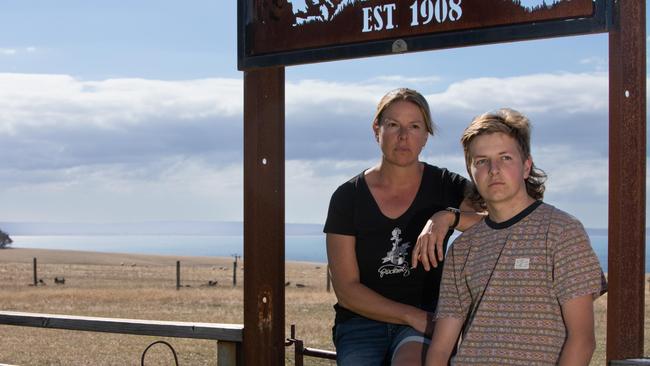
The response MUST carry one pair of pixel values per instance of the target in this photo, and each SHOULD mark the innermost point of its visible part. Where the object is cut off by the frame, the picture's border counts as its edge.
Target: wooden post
(234, 271)
(329, 278)
(264, 217)
(299, 347)
(35, 273)
(298, 352)
(627, 172)
(178, 275)
(228, 353)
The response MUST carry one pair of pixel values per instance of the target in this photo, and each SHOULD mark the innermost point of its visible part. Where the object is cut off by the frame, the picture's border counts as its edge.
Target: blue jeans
(361, 341)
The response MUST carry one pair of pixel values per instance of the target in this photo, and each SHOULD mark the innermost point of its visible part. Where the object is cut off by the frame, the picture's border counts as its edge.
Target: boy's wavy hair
(515, 125)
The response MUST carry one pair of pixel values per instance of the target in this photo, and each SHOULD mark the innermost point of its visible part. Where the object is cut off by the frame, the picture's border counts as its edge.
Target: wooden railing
(228, 336)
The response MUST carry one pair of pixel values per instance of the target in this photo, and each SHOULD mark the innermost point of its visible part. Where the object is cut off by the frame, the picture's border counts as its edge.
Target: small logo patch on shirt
(522, 263)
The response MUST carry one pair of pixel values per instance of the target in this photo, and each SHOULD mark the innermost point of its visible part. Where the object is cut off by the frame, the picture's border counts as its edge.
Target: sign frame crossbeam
(599, 23)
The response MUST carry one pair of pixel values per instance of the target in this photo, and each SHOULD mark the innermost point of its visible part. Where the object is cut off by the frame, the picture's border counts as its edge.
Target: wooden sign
(273, 27)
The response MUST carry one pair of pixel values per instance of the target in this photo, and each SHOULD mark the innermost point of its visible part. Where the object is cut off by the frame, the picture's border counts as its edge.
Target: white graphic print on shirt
(396, 257)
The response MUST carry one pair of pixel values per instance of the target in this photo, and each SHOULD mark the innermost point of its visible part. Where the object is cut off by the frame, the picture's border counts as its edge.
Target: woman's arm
(429, 246)
(357, 297)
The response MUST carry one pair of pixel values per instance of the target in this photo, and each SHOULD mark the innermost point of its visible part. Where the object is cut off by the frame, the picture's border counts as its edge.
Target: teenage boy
(520, 284)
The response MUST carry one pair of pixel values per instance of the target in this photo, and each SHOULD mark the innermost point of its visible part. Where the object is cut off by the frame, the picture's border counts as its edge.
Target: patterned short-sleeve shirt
(509, 280)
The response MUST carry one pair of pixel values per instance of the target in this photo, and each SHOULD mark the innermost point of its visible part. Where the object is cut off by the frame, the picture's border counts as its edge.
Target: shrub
(5, 240)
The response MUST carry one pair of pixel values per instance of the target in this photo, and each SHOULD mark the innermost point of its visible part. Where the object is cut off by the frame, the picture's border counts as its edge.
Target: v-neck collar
(424, 177)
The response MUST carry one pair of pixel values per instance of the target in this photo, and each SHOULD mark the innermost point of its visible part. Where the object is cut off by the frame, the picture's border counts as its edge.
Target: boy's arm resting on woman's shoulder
(429, 246)
(445, 336)
(354, 296)
(578, 314)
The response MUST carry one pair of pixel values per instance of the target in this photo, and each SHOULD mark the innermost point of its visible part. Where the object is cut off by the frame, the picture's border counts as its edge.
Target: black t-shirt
(383, 245)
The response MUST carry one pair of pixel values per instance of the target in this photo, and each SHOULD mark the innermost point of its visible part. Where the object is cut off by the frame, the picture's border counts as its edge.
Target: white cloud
(310, 184)
(591, 60)
(599, 64)
(61, 100)
(138, 149)
(577, 181)
(16, 51)
(310, 96)
(188, 189)
(399, 80)
(568, 93)
(572, 171)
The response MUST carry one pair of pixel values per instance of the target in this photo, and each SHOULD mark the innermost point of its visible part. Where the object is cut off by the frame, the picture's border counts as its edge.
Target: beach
(144, 287)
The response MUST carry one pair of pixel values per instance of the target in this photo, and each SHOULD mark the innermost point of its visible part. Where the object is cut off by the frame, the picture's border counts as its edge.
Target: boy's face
(498, 170)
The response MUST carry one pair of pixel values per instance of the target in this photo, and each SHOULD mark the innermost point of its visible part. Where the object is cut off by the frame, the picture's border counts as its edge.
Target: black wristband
(456, 213)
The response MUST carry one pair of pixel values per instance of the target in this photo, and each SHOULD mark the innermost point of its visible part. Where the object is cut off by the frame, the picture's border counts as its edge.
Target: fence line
(211, 279)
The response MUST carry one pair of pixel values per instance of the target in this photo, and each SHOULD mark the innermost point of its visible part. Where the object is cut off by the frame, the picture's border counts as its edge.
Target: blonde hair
(515, 125)
(409, 95)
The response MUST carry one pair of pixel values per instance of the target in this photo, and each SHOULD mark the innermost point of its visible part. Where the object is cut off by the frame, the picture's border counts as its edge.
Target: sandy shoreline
(61, 256)
(57, 256)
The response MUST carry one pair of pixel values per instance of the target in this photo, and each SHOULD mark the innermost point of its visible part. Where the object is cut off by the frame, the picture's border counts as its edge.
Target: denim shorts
(362, 341)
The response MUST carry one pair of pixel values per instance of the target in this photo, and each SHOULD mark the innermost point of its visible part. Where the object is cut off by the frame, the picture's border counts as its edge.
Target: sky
(115, 111)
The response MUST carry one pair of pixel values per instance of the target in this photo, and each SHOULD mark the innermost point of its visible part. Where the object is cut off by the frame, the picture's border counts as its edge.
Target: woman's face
(401, 133)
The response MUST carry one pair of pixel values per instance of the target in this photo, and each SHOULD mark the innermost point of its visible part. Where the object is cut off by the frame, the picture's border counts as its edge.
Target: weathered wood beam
(627, 180)
(214, 331)
(264, 217)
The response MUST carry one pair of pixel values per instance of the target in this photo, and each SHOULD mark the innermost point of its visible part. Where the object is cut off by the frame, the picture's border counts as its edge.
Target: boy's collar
(513, 220)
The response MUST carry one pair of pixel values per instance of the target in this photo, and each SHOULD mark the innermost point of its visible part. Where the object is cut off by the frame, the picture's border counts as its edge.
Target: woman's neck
(394, 175)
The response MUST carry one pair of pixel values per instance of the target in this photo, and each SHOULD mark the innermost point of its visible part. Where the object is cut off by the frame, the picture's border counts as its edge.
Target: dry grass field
(144, 287)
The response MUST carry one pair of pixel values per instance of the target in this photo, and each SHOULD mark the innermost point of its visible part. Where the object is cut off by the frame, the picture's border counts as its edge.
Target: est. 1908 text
(423, 12)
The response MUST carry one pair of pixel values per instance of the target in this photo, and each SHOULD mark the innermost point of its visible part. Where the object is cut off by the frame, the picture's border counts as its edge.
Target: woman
(384, 299)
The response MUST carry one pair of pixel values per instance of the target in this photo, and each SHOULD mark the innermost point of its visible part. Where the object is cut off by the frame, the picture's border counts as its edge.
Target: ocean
(310, 248)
